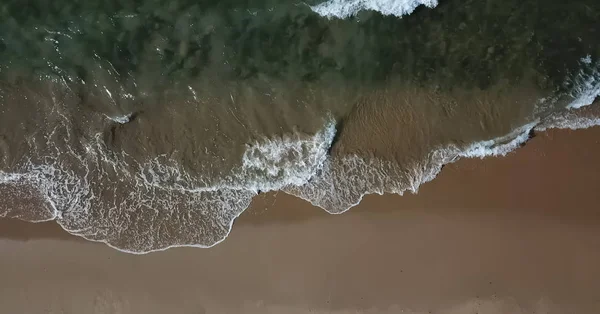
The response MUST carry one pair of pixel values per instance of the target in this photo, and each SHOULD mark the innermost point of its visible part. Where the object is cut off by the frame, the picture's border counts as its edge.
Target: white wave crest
(122, 119)
(586, 89)
(95, 193)
(500, 146)
(347, 8)
(289, 160)
(570, 121)
(344, 181)
(586, 84)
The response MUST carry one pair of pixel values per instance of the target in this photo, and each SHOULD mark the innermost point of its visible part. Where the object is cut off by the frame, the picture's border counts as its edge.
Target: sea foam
(347, 8)
(151, 205)
(500, 146)
(345, 180)
(109, 197)
(586, 84)
(585, 91)
(570, 121)
(289, 160)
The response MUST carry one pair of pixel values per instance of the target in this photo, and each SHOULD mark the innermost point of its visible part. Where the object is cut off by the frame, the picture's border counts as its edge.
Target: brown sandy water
(180, 173)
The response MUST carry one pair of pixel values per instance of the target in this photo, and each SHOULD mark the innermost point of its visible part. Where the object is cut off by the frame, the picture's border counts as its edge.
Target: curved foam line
(275, 149)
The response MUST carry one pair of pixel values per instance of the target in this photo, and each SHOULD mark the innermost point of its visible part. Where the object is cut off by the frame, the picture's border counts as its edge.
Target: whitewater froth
(585, 91)
(161, 193)
(586, 84)
(139, 207)
(344, 181)
(347, 8)
(289, 160)
(146, 198)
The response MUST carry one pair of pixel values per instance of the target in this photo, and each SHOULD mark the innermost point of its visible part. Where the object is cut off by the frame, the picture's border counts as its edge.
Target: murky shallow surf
(148, 127)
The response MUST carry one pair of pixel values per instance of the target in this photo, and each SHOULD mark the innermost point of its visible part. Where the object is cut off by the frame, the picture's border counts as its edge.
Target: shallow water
(148, 125)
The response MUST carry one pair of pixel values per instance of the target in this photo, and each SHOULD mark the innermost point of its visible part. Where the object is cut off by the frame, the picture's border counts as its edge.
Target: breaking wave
(159, 205)
(347, 8)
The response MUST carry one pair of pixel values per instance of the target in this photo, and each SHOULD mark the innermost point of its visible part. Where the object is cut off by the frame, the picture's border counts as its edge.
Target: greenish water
(466, 44)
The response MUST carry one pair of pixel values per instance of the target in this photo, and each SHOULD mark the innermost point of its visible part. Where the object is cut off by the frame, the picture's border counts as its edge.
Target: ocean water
(150, 124)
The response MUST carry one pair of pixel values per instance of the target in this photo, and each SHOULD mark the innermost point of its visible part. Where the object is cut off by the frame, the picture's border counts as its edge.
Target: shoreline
(441, 192)
(515, 234)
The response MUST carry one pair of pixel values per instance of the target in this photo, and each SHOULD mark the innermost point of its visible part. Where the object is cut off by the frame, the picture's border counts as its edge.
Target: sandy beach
(249, 157)
(516, 234)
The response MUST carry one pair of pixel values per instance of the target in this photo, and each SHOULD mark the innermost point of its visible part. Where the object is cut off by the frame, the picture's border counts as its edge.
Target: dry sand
(518, 234)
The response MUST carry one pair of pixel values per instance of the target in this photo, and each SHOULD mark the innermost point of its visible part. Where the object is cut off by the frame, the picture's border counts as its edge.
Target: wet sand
(518, 234)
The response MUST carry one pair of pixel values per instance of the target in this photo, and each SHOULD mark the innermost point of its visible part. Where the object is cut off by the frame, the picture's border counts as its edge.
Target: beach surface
(514, 234)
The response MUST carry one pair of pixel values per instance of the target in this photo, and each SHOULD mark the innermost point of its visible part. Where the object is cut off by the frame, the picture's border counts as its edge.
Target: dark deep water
(150, 124)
